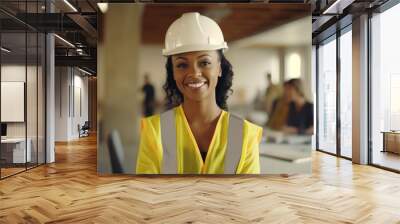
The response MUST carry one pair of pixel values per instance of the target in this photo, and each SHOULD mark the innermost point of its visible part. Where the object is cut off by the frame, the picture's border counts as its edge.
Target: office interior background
(39, 107)
(49, 92)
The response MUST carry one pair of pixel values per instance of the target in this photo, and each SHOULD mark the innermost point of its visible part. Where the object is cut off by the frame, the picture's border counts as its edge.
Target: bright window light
(293, 66)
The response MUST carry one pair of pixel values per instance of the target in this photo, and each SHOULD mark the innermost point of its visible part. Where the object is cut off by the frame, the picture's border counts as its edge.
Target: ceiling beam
(84, 24)
(83, 61)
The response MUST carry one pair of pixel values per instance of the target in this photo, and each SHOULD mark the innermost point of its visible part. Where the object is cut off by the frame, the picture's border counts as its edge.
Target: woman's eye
(205, 63)
(181, 65)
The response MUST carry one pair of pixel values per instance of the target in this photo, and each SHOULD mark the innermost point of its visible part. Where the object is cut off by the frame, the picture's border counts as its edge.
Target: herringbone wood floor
(70, 191)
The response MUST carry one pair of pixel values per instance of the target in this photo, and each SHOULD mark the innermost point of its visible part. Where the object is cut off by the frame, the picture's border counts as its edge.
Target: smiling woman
(211, 66)
(197, 135)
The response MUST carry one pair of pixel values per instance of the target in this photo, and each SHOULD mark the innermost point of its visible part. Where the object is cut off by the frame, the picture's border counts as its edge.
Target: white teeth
(196, 85)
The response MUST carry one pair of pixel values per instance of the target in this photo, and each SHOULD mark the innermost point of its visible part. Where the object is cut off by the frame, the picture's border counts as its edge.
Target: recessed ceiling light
(338, 6)
(103, 7)
(70, 5)
(5, 50)
(84, 71)
(64, 40)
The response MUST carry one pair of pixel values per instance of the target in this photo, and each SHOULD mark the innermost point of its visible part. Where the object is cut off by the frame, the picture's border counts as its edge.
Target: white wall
(79, 117)
(69, 82)
(33, 126)
(14, 72)
(61, 103)
(11, 73)
(250, 66)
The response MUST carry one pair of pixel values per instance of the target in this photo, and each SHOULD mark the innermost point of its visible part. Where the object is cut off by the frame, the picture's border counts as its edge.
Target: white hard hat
(193, 32)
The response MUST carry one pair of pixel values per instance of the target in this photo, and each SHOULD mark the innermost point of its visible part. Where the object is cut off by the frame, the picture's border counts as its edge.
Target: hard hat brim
(191, 48)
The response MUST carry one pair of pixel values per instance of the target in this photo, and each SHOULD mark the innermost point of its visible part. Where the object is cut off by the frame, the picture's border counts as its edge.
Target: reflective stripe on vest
(235, 142)
(168, 139)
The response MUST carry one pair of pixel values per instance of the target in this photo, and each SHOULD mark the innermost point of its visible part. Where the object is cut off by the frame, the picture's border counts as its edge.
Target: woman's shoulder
(151, 118)
(251, 126)
(155, 119)
(252, 132)
(248, 126)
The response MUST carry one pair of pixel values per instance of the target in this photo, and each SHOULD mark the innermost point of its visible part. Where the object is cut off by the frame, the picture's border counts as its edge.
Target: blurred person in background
(149, 101)
(273, 92)
(300, 111)
(280, 110)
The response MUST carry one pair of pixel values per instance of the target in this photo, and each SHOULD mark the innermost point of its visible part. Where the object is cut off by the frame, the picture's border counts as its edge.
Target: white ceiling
(296, 33)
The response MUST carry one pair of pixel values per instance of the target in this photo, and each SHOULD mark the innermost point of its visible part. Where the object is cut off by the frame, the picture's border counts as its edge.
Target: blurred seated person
(279, 111)
(300, 118)
(272, 93)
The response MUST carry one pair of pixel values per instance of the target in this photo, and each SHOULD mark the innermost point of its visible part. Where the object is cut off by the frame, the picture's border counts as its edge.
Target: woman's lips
(195, 85)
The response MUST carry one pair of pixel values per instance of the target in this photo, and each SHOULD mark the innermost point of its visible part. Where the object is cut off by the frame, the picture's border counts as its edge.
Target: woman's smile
(196, 84)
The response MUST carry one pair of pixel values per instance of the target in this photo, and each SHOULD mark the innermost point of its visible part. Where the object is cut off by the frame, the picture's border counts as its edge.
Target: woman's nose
(194, 70)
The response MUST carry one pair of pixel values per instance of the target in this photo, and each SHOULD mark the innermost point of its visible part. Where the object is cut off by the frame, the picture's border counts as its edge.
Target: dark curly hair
(222, 91)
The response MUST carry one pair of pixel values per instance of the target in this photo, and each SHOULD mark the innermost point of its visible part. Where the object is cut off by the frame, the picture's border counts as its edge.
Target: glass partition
(346, 93)
(385, 88)
(31, 100)
(22, 90)
(13, 109)
(41, 86)
(327, 96)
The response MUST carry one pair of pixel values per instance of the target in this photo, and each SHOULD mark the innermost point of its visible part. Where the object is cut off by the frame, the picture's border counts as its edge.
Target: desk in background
(281, 158)
(13, 150)
(391, 141)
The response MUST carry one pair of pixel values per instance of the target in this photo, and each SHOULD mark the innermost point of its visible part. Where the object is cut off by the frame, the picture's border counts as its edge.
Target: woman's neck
(201, 111)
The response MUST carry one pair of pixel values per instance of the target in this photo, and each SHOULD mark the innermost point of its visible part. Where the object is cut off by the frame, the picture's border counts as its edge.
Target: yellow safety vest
(189, 160)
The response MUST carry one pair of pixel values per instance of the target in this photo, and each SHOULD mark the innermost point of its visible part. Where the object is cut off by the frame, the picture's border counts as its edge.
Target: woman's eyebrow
(180, 57)
(204, 55)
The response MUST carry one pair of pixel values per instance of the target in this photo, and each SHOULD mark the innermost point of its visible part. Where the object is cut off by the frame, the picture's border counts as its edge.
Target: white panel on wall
(12, 101)
(13, 73)
(77, 112)
(71, 102)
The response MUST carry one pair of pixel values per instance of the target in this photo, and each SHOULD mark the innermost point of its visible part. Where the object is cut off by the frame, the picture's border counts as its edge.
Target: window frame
(347, 27)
